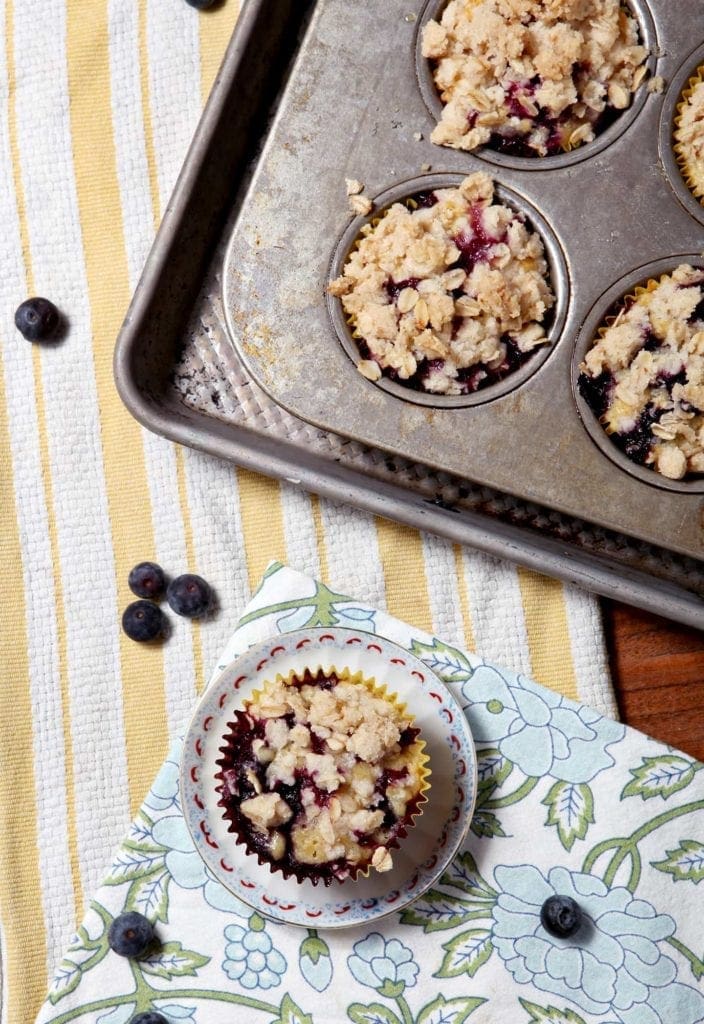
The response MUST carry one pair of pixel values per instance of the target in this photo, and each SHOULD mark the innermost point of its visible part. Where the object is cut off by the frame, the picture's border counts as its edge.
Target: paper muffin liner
(692, 173)
(417, 766)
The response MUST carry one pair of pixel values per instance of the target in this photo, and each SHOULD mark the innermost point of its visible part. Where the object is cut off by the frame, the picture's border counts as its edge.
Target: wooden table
(658, 672)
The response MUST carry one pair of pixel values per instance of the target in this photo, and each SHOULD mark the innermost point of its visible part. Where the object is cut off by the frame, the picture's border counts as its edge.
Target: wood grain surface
(658, 673)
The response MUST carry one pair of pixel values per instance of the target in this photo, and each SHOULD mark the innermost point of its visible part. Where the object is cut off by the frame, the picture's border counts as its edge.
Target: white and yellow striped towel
(99, 101)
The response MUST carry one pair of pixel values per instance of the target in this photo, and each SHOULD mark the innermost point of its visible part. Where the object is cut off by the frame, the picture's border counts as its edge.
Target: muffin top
(532, 77)
(644, 376)
(448, 293)
(321, 773)
(689, 138)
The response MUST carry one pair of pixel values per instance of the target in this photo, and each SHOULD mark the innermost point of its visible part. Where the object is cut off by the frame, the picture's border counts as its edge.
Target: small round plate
(430, 844)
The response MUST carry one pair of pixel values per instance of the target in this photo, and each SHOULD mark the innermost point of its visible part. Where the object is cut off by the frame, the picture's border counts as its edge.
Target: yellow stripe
(262, 523)
(320, 538)
(37, 355)
(463, 591)
(215, 30)
(147, 114)
(401, 552)
(20, 903)
(548, 634)
(142, 667)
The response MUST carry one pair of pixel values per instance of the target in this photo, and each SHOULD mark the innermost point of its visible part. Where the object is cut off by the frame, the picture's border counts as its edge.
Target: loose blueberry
(143, 621)
(147, 580)
(560, 916)
(189, 595)
(131, 934)
(37, 319)
(150, 1017)
(201, 5)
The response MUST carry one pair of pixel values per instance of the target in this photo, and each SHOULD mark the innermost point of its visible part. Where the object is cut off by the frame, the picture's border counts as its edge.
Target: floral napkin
(569, 803)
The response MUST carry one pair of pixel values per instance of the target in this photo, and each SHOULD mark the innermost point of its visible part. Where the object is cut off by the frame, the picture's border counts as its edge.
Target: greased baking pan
(179, 374)
(604, 214)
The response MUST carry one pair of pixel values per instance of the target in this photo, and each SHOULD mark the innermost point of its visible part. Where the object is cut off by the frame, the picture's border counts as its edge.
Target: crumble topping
(321, 775)
(689, 139)
(534, 77)
(644, 378)
(449, 295)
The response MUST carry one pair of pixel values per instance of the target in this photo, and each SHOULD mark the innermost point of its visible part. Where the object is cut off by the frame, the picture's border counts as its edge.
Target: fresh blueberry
(201, 5)
(150, 1017)
(560, 916)
(131, 934)
(143, 621)
(37, 319)
(147, 580)
(189, 595)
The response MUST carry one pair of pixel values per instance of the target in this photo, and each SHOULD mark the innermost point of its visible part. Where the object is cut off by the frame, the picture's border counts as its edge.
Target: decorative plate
(430, 845)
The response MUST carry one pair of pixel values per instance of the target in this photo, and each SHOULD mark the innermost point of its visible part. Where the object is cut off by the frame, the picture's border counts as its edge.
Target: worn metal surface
(180, 376)
(352, 110)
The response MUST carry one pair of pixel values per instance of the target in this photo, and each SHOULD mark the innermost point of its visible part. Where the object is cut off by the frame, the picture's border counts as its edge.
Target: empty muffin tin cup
(610, 133)
(604, 310)
(689, 74)
(557, 277)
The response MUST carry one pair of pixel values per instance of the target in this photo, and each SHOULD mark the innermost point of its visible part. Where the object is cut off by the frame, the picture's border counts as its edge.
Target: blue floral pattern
(539, 731)
(250, 957)
(379, 964)
(615, 962)
(604, 814)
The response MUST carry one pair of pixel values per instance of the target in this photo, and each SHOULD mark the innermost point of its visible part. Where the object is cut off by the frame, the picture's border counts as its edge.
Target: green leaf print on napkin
(685, 864)
(571, 808)
(549, 1014)
(659, 776)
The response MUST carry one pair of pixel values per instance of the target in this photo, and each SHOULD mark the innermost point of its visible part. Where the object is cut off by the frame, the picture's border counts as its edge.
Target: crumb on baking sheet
(360, 205)
(353, 186)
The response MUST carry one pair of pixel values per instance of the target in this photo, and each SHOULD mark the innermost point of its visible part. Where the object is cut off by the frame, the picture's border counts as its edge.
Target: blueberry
(147, 580)
(150, 1017)
(131, 934)
(560, 916)
(37, 319)
(143, 621)
(189, 595)
(201, 5)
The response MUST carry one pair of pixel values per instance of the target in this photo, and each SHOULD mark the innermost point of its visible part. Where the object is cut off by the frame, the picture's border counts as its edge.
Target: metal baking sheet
(179, 375)
(605, 212)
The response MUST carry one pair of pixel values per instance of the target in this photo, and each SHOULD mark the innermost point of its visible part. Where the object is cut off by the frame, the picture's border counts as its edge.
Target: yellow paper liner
(689, 173)
(417, 766)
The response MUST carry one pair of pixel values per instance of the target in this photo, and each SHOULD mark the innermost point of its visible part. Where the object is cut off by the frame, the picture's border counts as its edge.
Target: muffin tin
(610, 210)
(260, 210)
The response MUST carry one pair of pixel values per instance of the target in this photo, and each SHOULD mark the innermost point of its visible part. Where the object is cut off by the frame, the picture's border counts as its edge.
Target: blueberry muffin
(447, 293)
(532, 77)
(321, 776)
(644, 376)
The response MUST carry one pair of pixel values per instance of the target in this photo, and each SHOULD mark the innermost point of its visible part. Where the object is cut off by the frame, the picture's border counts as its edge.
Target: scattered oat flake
(418, 136)
(361, 205)
(426, 167)
(656, 84)
(354, 187)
